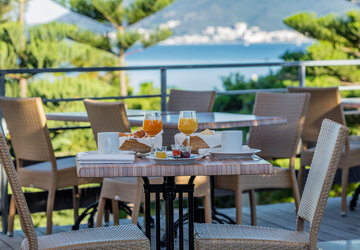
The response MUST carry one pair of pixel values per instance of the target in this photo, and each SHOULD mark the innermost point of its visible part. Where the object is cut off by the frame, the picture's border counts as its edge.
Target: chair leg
(207, 208)
(295, 190)
(100, 212)
(301, 177)
(115, 210)
(49, 210)
(238, 205)
(344, 183)
(253, 206)
(136, 207)
(11, 217)
(76, 201)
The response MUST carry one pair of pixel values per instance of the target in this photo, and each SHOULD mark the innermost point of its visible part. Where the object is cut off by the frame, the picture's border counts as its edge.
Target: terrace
(333, 227)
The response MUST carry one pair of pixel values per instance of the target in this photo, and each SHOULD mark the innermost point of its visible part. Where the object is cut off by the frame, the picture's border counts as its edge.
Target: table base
(169, 189)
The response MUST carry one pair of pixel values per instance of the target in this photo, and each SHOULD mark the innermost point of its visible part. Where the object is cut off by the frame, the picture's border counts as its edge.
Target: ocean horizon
(204, 79)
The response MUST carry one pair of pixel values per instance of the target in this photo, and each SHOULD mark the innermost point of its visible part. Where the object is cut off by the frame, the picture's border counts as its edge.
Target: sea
(204, 79)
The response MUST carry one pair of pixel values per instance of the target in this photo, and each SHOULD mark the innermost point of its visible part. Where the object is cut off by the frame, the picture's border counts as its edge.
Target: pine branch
(139, 9)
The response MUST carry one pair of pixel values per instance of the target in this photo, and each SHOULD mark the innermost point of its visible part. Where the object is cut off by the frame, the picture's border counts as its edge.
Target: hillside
(195, 16)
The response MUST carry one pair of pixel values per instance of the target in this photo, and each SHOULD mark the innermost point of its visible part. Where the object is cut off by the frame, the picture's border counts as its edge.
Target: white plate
(126, 152)
(245, 153)
(174, 161)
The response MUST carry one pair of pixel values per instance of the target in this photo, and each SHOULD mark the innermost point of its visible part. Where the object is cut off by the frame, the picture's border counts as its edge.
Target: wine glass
(152, 125)
(188, 124)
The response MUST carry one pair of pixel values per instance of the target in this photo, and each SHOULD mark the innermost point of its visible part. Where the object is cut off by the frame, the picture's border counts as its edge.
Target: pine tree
(5, 7)
(121, 17)
(338, 38)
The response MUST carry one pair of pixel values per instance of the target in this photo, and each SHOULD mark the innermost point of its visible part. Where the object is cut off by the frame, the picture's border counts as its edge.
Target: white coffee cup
(108, 142)
(231, 141)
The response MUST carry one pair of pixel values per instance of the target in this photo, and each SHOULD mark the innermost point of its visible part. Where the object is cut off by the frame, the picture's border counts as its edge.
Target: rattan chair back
(325, 103)
(279, 141)
(22, 208)
(107, 116)
(326, 159)
(26, 121)
(200, 101)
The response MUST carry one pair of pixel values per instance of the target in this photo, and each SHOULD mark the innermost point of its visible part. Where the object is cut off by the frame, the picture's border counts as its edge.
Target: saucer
(246, 152)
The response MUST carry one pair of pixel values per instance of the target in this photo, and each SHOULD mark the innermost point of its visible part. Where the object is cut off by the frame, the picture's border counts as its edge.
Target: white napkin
(211, 140)
(94, 157)
(146, 140)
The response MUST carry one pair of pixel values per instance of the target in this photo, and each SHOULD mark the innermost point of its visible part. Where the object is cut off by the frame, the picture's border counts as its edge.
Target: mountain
(207, 21)
(268, 15)
(212, 21)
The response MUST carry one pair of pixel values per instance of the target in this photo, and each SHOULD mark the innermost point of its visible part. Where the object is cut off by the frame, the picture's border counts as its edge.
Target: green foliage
(139, 9)
(43, 47)
(112, 10)
(339, 38)
(244, 103)
(146, 88)
(155, 37)
(121, 16)
(91, 38)
(83, 7)
(5, 7)
(126, 40)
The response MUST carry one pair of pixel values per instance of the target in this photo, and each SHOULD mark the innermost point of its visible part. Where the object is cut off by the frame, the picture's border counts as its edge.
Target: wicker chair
(200, 101)
(110, 117)
(326, 159)
(120, 237)
(275, 142)
(30, 139)
(326, 103)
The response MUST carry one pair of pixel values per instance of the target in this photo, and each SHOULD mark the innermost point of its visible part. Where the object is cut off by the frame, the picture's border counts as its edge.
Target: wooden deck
(333, 226)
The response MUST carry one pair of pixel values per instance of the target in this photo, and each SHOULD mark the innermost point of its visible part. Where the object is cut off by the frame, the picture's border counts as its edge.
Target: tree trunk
(22, 81)
(21, 11)
(23, 87)
(123, 87)
(122, 76)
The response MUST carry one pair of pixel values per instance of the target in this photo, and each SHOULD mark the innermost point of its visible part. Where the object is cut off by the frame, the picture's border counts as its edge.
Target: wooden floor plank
(333, 227)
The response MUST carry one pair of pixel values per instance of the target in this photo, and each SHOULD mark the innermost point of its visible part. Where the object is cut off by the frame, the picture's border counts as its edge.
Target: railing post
(3, 179)
(302, 75)
(163, 88)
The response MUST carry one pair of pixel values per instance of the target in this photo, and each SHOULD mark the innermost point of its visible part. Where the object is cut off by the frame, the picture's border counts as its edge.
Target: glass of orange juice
(152, 125)
(188, 124)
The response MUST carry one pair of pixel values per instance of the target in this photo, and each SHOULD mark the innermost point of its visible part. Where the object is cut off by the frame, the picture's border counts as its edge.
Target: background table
(148, 168)
(212, 120)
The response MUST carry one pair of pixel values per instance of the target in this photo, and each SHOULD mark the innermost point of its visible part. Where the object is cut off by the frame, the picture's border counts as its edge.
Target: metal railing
(301, 65)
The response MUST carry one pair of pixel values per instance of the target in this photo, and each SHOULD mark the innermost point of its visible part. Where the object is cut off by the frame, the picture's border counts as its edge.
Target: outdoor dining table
(146, 168)
(211, 120)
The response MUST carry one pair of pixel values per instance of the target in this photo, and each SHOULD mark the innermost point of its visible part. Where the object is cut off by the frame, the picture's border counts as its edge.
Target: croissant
(137, 134)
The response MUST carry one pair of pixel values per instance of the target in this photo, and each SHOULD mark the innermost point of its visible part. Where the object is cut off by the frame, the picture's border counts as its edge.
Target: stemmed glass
(188, 124)
(152, 125)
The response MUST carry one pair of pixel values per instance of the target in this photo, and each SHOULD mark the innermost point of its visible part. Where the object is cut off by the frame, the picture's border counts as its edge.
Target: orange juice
(152, 127)
(188, 125)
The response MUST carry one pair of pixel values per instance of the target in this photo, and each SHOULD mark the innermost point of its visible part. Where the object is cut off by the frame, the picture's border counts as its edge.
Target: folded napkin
(94, 157)
(145, 140)
(211, 140)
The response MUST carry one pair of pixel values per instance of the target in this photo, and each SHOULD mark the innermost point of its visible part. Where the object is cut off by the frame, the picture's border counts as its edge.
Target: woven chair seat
(354, 154)
(221, 236)
(66, 170)
(119, 237)
(62, 164)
